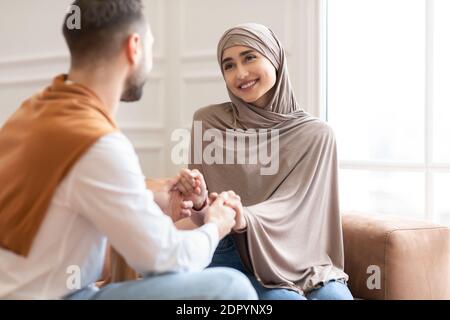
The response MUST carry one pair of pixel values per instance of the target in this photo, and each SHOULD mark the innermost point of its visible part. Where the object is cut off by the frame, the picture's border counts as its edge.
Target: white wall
(186, 75)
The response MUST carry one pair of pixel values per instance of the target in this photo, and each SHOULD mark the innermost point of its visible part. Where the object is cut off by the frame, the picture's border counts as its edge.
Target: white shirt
(104, 196)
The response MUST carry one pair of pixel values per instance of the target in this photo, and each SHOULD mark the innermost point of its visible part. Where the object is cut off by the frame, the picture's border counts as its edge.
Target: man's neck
(107, 85)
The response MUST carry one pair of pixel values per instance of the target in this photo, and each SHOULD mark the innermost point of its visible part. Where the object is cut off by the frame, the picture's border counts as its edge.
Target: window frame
(428, 167)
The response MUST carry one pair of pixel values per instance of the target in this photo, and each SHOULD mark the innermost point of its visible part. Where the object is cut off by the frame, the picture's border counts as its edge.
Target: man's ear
(133, 48)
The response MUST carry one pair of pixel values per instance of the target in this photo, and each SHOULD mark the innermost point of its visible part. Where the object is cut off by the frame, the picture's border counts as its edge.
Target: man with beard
(71, 181)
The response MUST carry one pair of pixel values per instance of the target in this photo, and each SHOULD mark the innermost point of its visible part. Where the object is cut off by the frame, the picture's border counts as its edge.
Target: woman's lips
(248, 85)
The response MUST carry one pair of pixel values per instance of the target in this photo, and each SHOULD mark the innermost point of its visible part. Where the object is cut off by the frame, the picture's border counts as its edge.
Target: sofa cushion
(391, 257)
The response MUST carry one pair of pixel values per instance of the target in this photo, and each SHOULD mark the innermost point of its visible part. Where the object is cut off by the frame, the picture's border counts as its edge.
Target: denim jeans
(226, 255)
(209, 284)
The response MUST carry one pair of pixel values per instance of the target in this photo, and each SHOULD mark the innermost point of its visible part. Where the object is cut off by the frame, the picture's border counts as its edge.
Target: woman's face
(249, 75)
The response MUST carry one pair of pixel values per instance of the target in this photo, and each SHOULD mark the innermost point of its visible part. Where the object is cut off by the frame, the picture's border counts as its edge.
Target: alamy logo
(73, 20)
(230, 147)
(74, 279)
(374, 281)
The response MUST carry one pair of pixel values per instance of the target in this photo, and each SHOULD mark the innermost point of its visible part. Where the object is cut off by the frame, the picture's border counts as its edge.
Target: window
(388, 99)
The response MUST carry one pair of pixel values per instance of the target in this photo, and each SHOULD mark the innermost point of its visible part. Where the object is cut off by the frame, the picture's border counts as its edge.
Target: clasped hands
(186, 196)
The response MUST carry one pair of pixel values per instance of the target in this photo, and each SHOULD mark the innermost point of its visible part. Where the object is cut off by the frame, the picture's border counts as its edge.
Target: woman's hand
(232, 200)
(221, 215)
(193, 187)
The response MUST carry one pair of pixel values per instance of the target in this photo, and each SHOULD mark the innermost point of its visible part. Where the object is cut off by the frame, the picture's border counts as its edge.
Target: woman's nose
(242, 73)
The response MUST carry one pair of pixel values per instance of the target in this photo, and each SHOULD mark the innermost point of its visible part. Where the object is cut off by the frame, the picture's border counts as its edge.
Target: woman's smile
(248, 85)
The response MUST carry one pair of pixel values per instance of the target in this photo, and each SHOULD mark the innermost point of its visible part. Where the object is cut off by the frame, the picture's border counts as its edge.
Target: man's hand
(193, 187)
(222, 215)
(232, 200)
(169, 198)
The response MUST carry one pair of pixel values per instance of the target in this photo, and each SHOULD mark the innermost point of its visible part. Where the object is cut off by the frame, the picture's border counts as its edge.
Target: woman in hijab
(288, 240)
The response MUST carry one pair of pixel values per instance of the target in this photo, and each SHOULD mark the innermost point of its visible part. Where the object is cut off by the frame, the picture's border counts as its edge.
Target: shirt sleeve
(108, 188)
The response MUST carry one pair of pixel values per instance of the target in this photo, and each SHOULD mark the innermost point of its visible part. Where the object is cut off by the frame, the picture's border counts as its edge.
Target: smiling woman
(290, 244)
(249, 75)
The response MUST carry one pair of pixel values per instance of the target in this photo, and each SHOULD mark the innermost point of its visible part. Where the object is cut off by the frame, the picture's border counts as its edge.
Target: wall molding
(156, 165)
(196, 55)
(47, 78)
(142, 128)
(46, 57)
(159, 116)
(201, 77)
(160, 37)
(52, 58)
(309, 47)
(142, 147)
(21, 81)
(191, 78)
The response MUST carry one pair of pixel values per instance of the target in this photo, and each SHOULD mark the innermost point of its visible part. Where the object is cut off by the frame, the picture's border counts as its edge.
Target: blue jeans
(210, 284)
(226, 255)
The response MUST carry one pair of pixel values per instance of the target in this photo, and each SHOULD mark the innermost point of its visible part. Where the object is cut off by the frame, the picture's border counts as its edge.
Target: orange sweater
(39, 144)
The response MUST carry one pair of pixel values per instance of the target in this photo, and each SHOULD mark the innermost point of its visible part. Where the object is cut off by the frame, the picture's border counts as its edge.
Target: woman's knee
(280, 294)
(231, 284)
(332, 290)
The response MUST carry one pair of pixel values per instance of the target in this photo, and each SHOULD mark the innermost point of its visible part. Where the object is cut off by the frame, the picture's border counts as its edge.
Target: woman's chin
(252, 101)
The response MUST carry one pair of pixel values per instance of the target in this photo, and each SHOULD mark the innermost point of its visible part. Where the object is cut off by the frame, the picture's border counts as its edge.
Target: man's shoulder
(110, 162)
(113, 139)
(113, 149)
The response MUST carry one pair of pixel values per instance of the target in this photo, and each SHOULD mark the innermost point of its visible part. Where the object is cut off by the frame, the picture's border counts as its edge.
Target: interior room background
(377, 70)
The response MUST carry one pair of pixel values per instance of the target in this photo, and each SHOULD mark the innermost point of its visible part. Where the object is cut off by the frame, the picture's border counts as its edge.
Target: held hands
(226, 212)
(193, 187)
(232, 200)
(169, 198)
(221, 215)
(179, 195)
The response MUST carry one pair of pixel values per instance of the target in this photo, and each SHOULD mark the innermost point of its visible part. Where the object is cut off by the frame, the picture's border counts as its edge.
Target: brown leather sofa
(395, 258)
(391, 257)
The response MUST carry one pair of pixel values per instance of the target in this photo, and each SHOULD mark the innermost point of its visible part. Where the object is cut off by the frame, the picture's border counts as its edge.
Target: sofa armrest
(391, 257)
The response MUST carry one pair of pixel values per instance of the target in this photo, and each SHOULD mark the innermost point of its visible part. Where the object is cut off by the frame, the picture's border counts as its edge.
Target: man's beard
(134, 87)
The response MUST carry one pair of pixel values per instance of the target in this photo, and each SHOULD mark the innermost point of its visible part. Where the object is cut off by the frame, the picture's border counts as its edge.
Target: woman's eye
(227, 66)
(250, 57)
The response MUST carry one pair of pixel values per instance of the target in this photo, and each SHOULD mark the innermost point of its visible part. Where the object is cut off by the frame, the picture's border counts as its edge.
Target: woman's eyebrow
(226, 60)
(243, 53)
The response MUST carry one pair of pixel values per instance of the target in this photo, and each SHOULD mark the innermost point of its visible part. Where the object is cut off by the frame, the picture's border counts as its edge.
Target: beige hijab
(294, 234)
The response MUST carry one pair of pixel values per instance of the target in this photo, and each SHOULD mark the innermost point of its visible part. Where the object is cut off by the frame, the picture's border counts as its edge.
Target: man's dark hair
(105, 25)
